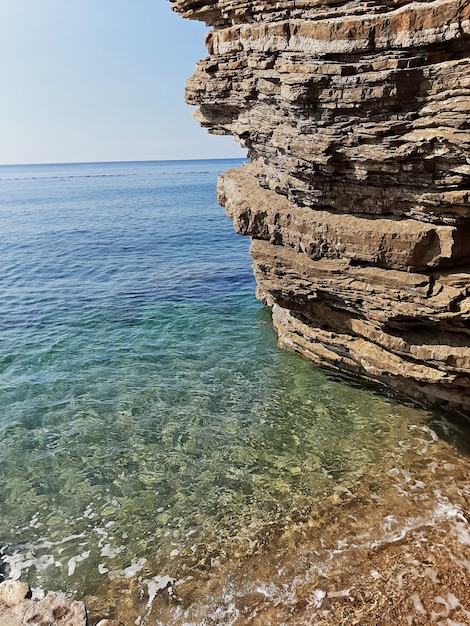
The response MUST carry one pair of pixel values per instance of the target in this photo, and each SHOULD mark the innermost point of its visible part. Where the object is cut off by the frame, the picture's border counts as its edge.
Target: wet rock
(55, 610)
(16, 609)
(357, 197)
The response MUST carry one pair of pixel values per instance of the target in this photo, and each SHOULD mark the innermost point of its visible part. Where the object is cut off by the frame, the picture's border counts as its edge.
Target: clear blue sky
(99, 80)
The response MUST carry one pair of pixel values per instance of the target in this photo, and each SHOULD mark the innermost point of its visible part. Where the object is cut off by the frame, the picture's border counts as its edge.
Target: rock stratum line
(355, 115)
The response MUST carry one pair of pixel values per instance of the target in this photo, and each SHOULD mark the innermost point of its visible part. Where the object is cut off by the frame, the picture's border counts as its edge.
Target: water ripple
(149, 425)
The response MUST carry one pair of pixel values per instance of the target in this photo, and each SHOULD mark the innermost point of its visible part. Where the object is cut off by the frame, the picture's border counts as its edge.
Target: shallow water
(160, 456)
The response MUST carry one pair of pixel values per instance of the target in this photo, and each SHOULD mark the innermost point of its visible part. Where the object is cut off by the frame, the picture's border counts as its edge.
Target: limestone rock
(12, 592)
(17, 610)
(356, 119)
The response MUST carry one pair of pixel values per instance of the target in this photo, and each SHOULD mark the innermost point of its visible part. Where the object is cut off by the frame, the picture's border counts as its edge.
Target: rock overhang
(355, 117)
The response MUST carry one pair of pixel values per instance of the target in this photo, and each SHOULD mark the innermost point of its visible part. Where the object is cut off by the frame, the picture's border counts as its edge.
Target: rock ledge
(355, 115)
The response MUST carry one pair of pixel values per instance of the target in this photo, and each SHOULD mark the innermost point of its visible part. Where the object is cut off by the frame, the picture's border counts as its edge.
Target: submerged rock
(355, 116)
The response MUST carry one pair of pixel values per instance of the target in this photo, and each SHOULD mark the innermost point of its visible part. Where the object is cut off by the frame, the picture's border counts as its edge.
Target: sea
(164, 461)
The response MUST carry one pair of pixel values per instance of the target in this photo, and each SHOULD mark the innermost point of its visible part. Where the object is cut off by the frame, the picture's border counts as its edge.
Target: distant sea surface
(160, 457)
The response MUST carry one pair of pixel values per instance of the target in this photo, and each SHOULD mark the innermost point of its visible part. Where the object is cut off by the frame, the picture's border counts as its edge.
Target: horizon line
(235, 158)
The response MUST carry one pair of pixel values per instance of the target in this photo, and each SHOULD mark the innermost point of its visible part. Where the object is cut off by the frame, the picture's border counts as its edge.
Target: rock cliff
(355, 117)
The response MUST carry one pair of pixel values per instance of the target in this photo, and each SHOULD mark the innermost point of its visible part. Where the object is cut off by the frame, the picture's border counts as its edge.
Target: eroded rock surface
(356, 119)
(17, 609)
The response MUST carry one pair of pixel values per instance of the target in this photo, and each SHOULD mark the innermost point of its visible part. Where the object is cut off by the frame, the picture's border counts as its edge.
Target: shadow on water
(451, 426)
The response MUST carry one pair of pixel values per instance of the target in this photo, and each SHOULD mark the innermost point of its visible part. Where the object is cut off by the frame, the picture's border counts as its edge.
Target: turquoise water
(148, 422)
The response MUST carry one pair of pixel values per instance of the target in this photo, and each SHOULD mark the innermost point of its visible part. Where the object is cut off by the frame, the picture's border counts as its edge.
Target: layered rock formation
(355, 114)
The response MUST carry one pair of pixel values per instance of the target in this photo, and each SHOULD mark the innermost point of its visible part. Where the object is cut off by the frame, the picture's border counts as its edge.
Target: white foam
(156, 584)
(110, 552)
(129, 572)
(453, 601)
(35, 523)
(37, 593)
(419, 608)
(317, 598)
(462, 530)
(88, 513)
(343, 593)
(18, 562)
(72, 564)
(432, 575)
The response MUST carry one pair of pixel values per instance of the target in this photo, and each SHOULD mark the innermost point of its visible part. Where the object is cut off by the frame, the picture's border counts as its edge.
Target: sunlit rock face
(356, 119)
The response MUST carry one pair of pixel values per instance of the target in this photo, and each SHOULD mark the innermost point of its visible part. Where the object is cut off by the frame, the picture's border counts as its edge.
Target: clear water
(150, 429)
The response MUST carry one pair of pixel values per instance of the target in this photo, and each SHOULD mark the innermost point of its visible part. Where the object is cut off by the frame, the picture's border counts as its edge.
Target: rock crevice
(356, 119)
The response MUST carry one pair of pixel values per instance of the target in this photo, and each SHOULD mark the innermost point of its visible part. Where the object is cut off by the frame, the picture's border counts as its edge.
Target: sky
(99, 80)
